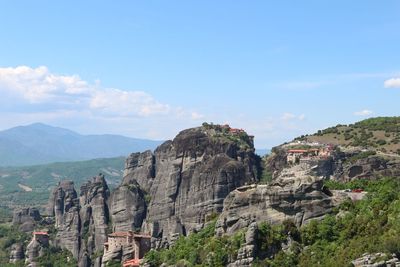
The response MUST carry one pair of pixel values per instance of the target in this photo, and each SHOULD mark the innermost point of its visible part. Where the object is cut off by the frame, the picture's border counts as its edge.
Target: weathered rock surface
(26, 218)
(371, 167)
(188, 178)
(295, 195)
(16, 253)
(376, 260)
(141, 168)
(64, 206)
(247, 253)
(34, 250)
(128, 207)
(94, 213)
(276, 161)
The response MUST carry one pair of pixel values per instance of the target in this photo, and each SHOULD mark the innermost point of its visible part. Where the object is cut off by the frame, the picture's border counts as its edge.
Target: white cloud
(392, 83)
(364, 112)
(39, 86)
(36, 94)
(125, 103)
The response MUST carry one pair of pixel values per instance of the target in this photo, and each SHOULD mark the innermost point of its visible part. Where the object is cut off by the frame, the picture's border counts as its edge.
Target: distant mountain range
(39, 143)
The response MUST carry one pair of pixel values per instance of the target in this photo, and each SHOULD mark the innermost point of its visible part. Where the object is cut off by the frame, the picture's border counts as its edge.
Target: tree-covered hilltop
(368, 226)
(381, 133)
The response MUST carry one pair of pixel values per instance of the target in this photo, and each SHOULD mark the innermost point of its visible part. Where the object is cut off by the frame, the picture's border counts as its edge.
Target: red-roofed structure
(40, 233)
(121, 240)
(131, 263)
(41, 236)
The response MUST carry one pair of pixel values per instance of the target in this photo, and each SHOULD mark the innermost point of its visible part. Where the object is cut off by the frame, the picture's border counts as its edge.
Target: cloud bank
(40, 95)
(392, 83)
(38, 86)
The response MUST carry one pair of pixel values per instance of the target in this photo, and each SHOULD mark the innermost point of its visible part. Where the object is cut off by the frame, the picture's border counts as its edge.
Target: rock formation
(247, 253)
(36, 248)
(81, 223)
(94, 213)
(296, 194)
(376, 260)
(26, 218)
(128, 207)
(16, 253)
(188, 178)
(371, 167)
(64, 206)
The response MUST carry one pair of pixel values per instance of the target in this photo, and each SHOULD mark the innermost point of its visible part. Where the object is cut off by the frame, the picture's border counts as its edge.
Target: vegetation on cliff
(370, 225)
(381, 133)
(199, 249)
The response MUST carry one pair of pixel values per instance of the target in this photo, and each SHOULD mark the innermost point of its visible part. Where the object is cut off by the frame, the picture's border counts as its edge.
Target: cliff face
(64, 206)
(128, 207)
(296, 194)
(81, 222)
(94, 213)
(188, 178)
(26, 218)
(348, 167)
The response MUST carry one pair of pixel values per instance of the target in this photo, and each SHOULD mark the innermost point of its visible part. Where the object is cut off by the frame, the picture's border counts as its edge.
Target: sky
(149, 69)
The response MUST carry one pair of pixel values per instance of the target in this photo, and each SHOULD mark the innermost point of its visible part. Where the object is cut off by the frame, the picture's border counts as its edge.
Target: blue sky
(152, 68)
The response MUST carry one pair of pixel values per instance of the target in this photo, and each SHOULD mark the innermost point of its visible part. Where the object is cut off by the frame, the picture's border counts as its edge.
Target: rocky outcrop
(371, 167)
(344, 164)
(247, 253)
(276, 161)
(26, 218)
(34, 250)
(188, 178)
(296, 194)
(376, 260)
(140, 167)
(64, 206)
(128, 207)
(16, 253)
(94, 213)
(121, 254)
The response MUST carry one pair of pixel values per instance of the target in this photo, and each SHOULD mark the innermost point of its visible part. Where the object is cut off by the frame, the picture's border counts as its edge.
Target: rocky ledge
(296, 194)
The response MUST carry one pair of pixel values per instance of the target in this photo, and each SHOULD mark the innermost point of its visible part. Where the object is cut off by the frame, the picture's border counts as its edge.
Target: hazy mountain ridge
(40, 143)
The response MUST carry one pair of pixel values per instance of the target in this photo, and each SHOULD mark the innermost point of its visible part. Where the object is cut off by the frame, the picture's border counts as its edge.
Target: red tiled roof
(131, 263)
(40, 233)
